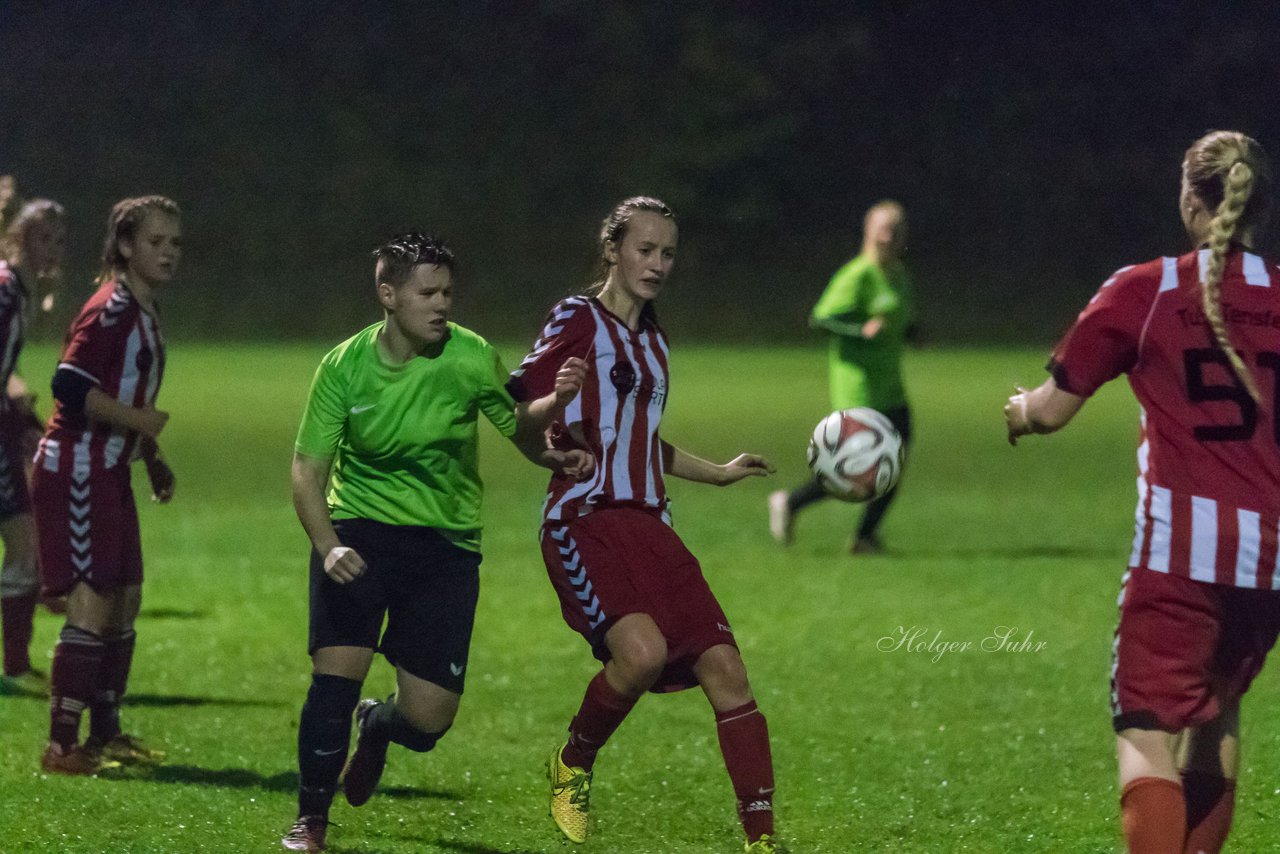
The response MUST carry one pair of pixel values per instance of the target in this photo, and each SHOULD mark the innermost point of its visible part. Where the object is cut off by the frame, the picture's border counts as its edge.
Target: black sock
(803, 496)
(323, 736)
(387, 721)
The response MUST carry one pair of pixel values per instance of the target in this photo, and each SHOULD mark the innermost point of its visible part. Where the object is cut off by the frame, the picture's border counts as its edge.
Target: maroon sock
(104, 708)
(744, 741)
(1154, 814)
(17, 614)
(77, 660)
(603, 710)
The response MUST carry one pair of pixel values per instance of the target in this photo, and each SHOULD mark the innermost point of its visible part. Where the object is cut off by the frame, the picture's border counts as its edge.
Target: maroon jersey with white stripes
(117, 346)
(617, 413)
(1209, 458)
(13, 327)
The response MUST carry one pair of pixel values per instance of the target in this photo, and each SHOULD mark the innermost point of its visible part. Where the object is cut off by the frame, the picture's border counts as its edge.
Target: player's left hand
(745, 465)
(569, 380)
(162, 480)
(1015, 415)
(575, 463)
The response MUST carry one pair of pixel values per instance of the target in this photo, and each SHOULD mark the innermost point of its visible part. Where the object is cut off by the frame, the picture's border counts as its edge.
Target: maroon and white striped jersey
(1209, 458)
(117, 346)
(617, 413)
(13, 327)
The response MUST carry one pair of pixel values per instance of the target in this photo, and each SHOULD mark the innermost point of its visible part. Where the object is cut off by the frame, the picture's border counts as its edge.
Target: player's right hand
(150, 421)
(569, 380)
(1015, 415)
(344, 565)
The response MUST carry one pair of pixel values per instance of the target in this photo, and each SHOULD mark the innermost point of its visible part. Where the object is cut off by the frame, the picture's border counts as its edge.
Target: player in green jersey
(868, 309)
(386, 485)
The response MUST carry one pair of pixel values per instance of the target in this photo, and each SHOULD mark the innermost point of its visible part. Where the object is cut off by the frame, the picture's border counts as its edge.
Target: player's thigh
(433, 587)
(1156, 685)
(350, 614)
(18, 572)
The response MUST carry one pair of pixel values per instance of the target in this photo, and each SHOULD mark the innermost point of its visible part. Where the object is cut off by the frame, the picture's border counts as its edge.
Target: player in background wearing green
(869, 310)
(386, 485)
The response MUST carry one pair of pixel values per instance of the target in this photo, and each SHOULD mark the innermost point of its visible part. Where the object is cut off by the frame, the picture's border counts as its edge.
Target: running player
(104, 415)
(1199, 337)
(868, 308)
(390, 434)
(32, 247)
(625, 581)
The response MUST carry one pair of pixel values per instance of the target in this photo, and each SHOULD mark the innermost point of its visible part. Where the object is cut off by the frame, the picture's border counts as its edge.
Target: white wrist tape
(335, 554)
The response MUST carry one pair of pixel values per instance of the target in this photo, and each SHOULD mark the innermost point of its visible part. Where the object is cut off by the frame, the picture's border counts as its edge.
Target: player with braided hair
(104, 415)
(1199, 337)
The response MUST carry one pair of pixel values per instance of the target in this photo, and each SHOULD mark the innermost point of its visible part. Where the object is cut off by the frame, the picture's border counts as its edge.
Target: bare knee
(723, 678)
(1146, 753)
(639, 655)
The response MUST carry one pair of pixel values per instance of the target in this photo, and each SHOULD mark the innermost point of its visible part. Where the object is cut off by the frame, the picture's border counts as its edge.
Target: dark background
(1036, 149)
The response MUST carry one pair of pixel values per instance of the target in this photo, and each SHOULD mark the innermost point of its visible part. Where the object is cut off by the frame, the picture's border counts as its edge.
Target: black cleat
(364, 768)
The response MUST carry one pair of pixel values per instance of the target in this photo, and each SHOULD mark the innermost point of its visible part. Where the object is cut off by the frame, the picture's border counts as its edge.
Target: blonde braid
(1237, 187)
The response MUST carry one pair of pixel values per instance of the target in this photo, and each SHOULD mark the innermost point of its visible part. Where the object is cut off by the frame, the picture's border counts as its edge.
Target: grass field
(875, 750)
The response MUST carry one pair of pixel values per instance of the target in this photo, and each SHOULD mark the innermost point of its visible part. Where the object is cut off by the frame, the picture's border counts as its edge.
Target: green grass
(874, 750)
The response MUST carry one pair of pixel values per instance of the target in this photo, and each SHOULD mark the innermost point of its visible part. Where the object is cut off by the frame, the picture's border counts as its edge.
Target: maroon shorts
(620, 561)
(87, 530)
(14, 452)
(1184, 649)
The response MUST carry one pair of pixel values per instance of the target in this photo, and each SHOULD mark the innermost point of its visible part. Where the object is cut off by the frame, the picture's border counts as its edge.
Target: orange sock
(1211, 801)
(1155, 816)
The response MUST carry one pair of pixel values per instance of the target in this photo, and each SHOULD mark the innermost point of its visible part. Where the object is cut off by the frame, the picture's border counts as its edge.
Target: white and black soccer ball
(856, 454)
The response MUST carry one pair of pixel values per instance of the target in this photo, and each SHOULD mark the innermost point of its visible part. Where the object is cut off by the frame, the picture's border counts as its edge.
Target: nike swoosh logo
(456, 670)
(356, 410)
(327, 752)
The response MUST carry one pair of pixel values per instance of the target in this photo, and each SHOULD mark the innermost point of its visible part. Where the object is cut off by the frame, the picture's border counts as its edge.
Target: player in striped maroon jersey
(104, 417)
(32, 248)
(625, 580)
(1199, 337)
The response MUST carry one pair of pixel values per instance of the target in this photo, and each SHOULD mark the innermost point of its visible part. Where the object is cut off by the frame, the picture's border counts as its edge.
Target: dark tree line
(1036, 149)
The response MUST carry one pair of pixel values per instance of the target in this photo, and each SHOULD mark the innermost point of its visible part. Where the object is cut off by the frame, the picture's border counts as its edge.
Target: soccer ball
(856, 454)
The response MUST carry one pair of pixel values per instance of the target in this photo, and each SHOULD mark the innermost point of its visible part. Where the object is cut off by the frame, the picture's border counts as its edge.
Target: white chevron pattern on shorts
(577, 575)
(79, 524)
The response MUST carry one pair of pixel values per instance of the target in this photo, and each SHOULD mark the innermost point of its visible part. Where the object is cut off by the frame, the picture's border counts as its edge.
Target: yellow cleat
(33, 683)
(125, 749)
(763, 845)
(570, 797)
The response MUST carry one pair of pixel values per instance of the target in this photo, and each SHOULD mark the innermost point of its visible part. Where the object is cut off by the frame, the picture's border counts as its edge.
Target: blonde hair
(14, 237)
(1230, 174)
(123, 223)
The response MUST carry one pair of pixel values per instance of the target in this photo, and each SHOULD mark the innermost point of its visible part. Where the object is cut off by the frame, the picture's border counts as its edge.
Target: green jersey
(868, 372)
(403, 438)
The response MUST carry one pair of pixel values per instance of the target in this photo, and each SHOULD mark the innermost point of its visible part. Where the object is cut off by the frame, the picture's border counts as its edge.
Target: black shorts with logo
(424, 585)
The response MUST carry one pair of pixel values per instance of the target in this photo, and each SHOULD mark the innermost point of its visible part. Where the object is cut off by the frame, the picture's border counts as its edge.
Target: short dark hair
(399, 255)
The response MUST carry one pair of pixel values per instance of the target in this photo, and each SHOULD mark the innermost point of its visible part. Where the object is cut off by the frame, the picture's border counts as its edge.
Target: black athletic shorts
(425, 586)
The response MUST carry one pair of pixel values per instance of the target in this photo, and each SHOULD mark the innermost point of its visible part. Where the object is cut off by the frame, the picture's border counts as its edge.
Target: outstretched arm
(868, 330)
(1044, 409)
(685, 465)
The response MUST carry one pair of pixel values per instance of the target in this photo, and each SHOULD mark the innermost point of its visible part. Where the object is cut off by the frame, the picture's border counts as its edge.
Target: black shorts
(425, 586)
